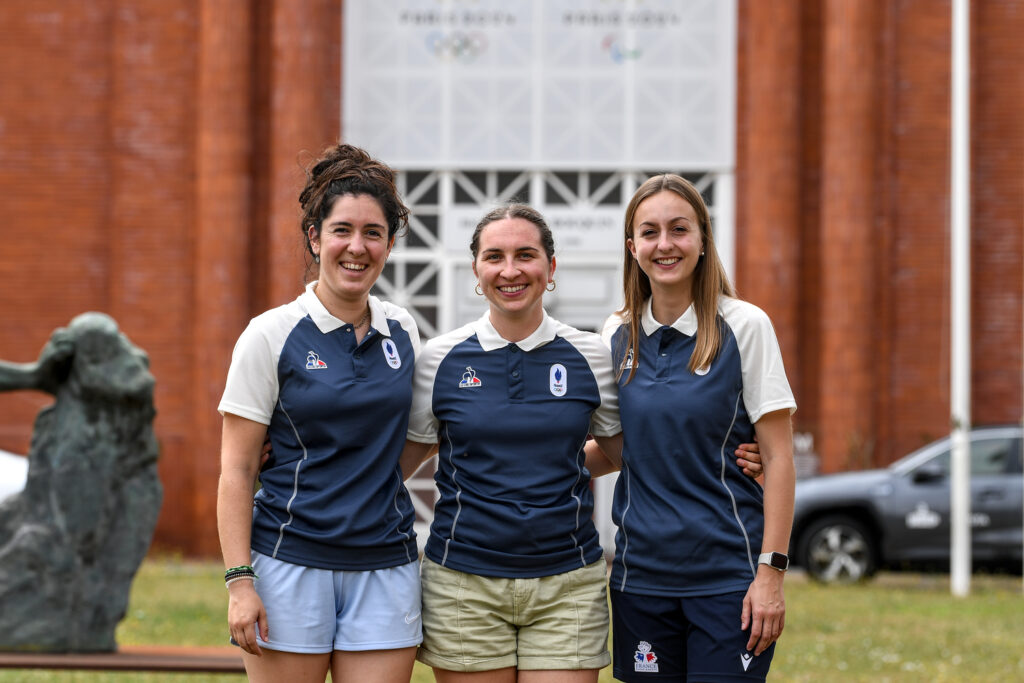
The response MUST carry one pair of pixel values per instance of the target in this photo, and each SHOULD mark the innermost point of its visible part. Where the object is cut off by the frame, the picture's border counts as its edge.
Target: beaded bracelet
(235, 569)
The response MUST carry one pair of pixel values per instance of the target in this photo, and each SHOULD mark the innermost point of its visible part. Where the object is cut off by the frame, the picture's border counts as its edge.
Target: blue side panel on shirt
(690, 522)
(341, 418)
(514, 497)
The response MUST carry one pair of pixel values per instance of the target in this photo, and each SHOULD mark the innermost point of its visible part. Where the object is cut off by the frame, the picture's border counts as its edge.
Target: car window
(988, 457)
(992, 456)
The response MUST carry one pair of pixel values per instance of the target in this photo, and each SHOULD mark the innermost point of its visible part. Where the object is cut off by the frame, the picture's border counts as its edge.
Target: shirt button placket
(515, 373)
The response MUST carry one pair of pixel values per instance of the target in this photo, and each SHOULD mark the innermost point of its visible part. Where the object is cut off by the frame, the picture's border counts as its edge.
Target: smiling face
(513, 269)
(667, 242)
(352, 245)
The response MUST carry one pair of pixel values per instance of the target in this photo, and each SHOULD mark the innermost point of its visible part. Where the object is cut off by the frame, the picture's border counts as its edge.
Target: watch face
(779, 561)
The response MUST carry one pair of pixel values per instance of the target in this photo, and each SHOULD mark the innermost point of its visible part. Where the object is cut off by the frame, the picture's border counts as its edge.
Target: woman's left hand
(764, 609)
(748, 458)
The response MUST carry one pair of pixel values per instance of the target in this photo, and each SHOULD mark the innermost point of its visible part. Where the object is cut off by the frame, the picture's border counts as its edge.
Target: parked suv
(847, 526)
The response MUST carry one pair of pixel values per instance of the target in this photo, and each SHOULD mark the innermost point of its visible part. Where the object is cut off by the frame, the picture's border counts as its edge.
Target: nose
(664, 243)
(509, 269)
(356, 244)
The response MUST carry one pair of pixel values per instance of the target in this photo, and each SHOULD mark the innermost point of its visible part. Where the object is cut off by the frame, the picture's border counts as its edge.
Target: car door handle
(991, 494)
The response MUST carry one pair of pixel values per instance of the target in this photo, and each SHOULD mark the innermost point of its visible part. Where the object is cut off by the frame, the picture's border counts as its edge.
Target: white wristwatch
(777, 561)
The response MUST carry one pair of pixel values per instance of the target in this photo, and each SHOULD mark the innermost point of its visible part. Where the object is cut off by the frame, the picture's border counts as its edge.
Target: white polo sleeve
(422, 421)
(605, 420)
(765, 386)
(251, 389)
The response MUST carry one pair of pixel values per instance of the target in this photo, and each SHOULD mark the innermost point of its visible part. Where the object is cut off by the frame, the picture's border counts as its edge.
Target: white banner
(542, 83)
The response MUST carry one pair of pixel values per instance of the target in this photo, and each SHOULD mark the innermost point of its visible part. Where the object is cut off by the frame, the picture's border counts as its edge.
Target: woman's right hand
(245, 610)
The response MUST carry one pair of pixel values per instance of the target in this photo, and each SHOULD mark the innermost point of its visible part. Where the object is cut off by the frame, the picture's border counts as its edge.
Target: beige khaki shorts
(481, 623)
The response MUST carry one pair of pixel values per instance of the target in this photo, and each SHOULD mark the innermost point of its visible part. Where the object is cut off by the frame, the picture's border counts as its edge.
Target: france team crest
(644, 659)
(313, 362)
(469, 379)
(559, 381)
(391, 353)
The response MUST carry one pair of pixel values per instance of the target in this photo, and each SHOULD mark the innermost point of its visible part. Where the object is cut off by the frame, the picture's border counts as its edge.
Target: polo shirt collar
(686, 323)
(490, 340)
(326, 322)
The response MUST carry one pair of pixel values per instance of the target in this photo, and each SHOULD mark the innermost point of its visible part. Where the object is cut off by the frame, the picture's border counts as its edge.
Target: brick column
(222, 240)
(850, 231)
(305, 116)
(150, 221)
(769, 169)
(997, 216)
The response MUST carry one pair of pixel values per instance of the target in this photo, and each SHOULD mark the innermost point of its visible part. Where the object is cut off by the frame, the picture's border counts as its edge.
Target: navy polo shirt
(332, 494)
(690, 522)
(511, 420)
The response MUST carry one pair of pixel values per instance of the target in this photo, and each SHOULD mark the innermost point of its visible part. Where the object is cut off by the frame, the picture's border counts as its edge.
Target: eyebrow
(497, 250)
(671, 220)
(352, 225)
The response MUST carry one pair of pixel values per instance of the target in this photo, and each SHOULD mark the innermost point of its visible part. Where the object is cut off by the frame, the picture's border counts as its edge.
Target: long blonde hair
(710, 280)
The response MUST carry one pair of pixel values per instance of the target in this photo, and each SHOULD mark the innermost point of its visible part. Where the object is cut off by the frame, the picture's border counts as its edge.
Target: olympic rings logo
(619, 54)
(457, 46)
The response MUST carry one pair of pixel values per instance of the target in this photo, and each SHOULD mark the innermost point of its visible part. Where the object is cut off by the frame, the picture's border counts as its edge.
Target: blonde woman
(696, 584)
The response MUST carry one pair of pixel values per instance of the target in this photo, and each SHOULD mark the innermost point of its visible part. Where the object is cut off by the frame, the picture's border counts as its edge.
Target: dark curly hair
(348, 170)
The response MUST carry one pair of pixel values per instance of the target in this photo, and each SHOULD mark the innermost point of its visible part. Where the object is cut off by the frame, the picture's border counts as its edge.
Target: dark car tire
(837, 549)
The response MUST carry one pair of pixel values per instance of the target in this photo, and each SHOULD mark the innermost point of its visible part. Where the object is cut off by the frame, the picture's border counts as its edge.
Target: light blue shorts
(319, 610)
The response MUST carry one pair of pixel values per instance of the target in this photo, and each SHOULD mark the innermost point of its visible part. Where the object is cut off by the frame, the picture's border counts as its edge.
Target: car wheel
(837, 549)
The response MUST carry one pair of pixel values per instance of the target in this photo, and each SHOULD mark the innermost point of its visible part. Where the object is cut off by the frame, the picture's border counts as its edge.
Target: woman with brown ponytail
(322, 563)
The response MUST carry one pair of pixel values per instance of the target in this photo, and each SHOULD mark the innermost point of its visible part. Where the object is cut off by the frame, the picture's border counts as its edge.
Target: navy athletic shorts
(683, 639)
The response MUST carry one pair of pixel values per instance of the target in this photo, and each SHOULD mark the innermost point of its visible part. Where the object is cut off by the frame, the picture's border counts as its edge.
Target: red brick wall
(151, 155)
(866, 335)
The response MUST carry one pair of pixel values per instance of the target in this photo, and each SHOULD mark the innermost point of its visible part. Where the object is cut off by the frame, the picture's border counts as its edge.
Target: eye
(681, 228)
(375, 233)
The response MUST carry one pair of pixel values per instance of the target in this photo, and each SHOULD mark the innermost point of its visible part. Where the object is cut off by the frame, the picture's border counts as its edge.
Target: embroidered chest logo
(313, 362)
(391, 353)
(644, 659)
(628, 363)
(469, 379)
(559, 381)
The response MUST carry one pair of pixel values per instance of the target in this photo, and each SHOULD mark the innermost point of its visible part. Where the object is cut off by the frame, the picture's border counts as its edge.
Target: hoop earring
(479, 292)
(550, 286)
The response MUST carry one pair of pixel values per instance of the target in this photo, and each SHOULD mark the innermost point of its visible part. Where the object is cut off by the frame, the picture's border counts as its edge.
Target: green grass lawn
(900, 627)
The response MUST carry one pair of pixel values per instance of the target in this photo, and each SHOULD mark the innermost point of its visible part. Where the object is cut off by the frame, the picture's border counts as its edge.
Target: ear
(551, 273)
(314, 240)
(474, 270)
(631, 246)
(391, 244)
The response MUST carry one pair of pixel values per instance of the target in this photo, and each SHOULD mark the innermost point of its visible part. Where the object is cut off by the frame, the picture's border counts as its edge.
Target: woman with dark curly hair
(322, 565)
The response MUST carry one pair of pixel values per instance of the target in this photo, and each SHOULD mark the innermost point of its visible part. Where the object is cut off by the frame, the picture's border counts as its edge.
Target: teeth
(512, 289)
(354, 266)
(665, 261)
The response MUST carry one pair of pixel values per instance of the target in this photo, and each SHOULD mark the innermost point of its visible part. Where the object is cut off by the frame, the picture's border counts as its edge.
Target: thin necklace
(362, 321)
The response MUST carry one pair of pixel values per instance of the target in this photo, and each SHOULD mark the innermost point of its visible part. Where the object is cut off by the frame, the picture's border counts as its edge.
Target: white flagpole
(960, 264)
